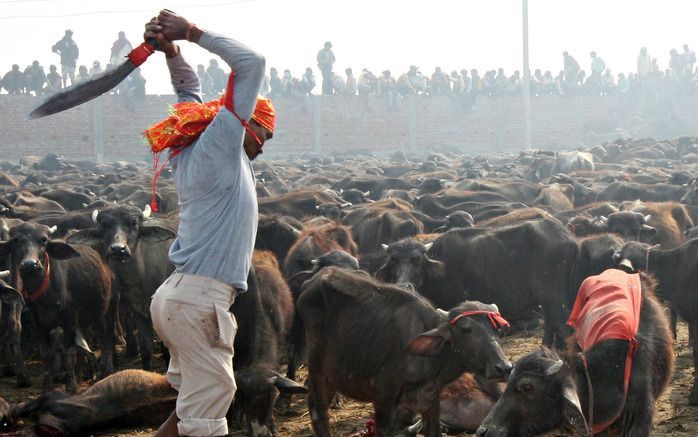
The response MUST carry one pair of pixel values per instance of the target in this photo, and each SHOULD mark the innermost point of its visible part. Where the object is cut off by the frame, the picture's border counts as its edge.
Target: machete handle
(143, 51)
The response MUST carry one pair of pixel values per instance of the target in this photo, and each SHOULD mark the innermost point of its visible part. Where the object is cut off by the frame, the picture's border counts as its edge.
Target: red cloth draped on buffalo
(608, 307)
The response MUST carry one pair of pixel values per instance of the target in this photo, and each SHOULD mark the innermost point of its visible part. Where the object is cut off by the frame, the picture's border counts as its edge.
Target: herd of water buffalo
(384, 276)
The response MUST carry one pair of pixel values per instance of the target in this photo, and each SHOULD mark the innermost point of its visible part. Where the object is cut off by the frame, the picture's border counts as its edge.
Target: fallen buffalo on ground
(125, 399)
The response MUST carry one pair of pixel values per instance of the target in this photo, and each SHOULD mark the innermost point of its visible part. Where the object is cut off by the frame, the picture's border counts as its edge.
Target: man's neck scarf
(188, 120)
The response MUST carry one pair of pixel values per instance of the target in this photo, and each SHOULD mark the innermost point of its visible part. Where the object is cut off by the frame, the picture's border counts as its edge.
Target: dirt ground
(673, 415)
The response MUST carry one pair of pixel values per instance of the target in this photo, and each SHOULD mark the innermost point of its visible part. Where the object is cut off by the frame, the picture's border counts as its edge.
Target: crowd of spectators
(679, 77)
(34, 80)
(647, 82)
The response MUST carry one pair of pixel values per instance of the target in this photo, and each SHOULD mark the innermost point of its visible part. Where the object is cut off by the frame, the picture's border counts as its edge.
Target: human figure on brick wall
(218, 75)
(644, 63)
(13, 81)
(571, 69)
(69, 53)
(35, 78)
(287, 83)
(367, 83)
(351, 86)
(439, 82)
(275, 86)
(82, 74)
(325, 60)
(96, 68)
(405, 82)
(54, 80)
(387, 88)
(308, 81)
(205, 80)
(120, 49)
(212, 253)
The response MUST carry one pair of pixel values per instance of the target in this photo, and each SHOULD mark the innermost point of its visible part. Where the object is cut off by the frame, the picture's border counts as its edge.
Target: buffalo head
(631, 226)
(541, 396)
(408, 263)
(472, 339)
(120, 229)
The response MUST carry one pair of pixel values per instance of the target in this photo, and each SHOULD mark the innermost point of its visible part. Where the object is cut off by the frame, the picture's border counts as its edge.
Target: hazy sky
(375, 34)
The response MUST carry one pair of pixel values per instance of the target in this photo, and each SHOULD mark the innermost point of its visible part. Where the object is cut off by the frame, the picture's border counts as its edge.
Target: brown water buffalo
(66, 286)
(620, 191)
(316, 241)
(547, 392)
(399, 357)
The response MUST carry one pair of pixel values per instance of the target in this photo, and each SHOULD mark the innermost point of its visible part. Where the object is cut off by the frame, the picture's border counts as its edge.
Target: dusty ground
(673, 415)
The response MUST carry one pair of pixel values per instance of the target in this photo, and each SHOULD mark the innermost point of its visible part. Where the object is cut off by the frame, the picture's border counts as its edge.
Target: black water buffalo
(548, 392)
(277, 233)
(401, 354)
(136, 249)
(677, 274)
(125, 399)
(66, 286)
(373, 226)
(519, 267)
(264, 315)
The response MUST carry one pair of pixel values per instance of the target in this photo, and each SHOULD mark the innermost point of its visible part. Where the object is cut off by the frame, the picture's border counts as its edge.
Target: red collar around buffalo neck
(36, 294)
(495, 318)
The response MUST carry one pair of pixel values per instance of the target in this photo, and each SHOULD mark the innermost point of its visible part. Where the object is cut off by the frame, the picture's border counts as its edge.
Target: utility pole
(526, 77)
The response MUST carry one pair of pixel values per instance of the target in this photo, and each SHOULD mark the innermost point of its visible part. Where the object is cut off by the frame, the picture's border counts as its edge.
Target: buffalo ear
(9, 295)
(156, 233)
(285, 385)
(61, 250)
(88, 237)
(430, 343)
(572, 411)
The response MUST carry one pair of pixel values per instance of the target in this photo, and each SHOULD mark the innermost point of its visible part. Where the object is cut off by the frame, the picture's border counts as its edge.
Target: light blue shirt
(214, 178)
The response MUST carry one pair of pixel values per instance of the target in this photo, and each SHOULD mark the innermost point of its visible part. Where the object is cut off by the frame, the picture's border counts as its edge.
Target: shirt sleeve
(247, 65)
(184, 80)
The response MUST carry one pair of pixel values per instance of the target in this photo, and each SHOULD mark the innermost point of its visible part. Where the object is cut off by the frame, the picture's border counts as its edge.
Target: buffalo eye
(4, 425)
(465, 328)
(524, 387)
(44, 240)
(134, 223)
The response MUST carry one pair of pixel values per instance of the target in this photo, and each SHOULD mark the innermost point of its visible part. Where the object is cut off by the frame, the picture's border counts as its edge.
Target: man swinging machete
(211, 146)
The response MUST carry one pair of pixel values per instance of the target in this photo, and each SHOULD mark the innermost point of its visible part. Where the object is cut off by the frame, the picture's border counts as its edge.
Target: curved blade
(83, 92)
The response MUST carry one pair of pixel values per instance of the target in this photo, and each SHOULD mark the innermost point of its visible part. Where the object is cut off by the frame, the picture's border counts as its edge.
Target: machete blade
(83, 92)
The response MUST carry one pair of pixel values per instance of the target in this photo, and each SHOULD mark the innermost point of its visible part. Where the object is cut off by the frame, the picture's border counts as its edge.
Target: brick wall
(109, 127)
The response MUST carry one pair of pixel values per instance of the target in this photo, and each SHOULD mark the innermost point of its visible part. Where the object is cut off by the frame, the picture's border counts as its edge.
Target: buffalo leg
(385, 405)
(643, 409)
(71, 385)
(319, 396)
(145, 340)
(693, 396)
(126, 317)
(432, 423)
(15, 343)
(48, 358)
